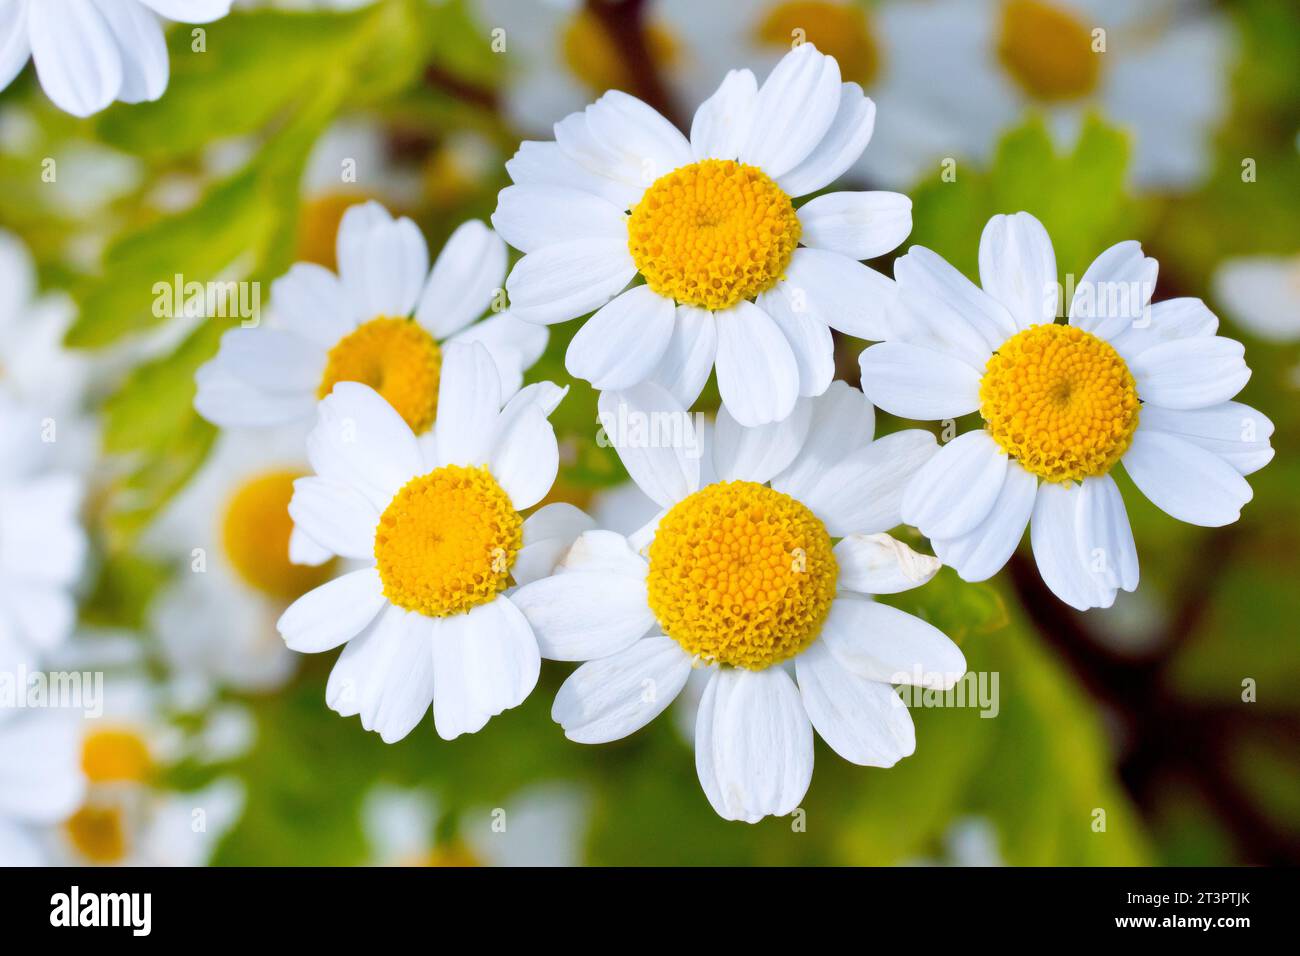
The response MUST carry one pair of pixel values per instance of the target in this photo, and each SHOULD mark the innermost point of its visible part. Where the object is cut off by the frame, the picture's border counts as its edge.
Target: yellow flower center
(255, 537)
(447, 541)
(841, 30)
(395, 357)
(713, 233)
(115, 755)
(591, 55)
(741, 574)
(1047, 51)
(1060, 401)
(98, 833)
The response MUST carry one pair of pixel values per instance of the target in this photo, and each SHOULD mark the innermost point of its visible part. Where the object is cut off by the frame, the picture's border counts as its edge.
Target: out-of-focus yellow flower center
(255, 536)
(447, 541)
(1060, 401)
(115, 755)
(1047, 50)
(591, 55)
(841, 30)
(741, 574)
(98, 833)
(713, 233)
(395, 357)
(318, 226)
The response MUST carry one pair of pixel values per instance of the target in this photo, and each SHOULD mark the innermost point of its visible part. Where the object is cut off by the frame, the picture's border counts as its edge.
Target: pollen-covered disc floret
(255, 534)
(713, 233)
(447, 541)
(395, 357)
(1060, 401)
(741, 574)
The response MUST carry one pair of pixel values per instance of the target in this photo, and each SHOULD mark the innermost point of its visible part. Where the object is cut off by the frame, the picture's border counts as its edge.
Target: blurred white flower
(1262, 294)
(41, 783)
(89, 53)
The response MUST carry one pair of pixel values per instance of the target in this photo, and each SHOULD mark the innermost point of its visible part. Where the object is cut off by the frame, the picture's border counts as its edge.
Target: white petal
(42, 538)
(1170, 320)
(981, 552)
(624, 341)
(723, 122)
(548, 533)
(564, 281)
(879, 564)
(309, 301)
(533, 216)
(1236, 433)
(469, 403)
(753, 744)
(758, 377)
(956, 489)
(600, 550)
(864, 721)
(303, 549)
(386, 675)
(1191, 373)
(190, 11)
(484, 662)
(273, 360)
(946, 302)
(620, 137)
(1115, 291)
(881, 643)
(466, 277)
(585, 614)
(336, 611)
(839, 149)
(139, 38)
(914, 382)
(857, 225)
(655, 439)
(843, 422)
(863, 492)
(514, 345)
(760, 453)
(76, 55)
(547, 164)
(526, 456)
(1185, 480)
(383, 262)
(44, 615)
(841, 292)
(14, 46)
(360, 441)
(1105, 536)
(809, 337)
(610, 698)
(688, 360)
(793, 111)
(1057, 537)
(336, 516)
(1018, 268)
(228, 401)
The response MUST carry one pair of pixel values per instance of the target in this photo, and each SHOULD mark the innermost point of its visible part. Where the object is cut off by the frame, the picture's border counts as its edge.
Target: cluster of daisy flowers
(415, 507)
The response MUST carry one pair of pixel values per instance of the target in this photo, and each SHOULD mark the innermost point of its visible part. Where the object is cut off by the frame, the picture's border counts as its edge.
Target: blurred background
(1165, 730)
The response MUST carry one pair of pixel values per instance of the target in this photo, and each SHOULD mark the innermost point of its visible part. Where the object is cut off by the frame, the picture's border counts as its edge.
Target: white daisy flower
(42, 543)
(541, 826)
(89, 53)
(41, 783)
(710, 224)
(1062, 404)
(438, 524)
(112, 809)
(1262, 293)
(950, 76)
(357, 326)
(240, 562)
(740, 573)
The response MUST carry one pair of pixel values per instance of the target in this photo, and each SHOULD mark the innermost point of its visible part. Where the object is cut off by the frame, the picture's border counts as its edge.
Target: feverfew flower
(89, 53)
(710, 224)
(357, 326)
(430, 617)
(741, 573)
(1062, 404)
